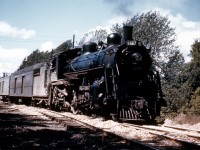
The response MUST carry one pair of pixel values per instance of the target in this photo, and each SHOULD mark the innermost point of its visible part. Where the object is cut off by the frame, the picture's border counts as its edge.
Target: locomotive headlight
(137, 57)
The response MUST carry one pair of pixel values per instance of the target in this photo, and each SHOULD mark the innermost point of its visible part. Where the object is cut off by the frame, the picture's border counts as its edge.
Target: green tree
(173, 66)
(117, 28)
(195, 102)
(183, 91)
(23, 64)
(64, 46)
(195, 65)
(178, 90)
(35, 57)
(195, 52)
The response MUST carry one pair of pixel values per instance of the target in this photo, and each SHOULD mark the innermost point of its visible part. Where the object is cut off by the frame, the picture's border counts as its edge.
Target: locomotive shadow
(22, 132)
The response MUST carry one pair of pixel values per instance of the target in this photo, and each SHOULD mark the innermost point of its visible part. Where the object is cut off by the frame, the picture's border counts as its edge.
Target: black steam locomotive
(114, 79)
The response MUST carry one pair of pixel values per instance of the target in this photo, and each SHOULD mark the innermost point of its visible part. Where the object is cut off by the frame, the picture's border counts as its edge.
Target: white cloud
(10, 59)
(117, 19)
(47, 46)
(8, 30)
(186, 30)
(107, 25)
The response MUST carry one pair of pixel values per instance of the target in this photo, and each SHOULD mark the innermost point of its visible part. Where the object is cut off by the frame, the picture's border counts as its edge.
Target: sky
(27, 25)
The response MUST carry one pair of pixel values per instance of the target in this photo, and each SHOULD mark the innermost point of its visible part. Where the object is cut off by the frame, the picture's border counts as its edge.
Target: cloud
(8, 30)
(105, 26)
(109, 23)
(47, 46)
(187, 31)
(121, 7)
(10, 59)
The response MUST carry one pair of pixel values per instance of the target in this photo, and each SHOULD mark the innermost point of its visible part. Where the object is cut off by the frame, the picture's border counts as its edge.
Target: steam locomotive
(116, 79)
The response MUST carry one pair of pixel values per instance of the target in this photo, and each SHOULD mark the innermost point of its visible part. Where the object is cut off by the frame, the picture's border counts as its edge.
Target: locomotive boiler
(116, 79)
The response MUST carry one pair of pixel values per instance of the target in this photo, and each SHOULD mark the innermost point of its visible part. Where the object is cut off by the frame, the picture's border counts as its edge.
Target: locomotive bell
(113, 38)
(89, 47)
(128, 31)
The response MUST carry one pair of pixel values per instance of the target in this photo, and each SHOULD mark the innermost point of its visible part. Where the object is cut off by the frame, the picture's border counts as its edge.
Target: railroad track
(166, 141)
(161, 139)
(182, 129)
(172, 138)
(70, 122)
(94, 138)
(189, 132)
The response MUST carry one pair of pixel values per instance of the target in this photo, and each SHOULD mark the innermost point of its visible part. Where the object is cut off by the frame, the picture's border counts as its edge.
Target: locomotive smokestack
(128, 30)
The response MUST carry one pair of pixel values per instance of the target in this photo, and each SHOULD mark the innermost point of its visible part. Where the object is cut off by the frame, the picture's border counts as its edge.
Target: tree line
(37, 56)
(180, 80)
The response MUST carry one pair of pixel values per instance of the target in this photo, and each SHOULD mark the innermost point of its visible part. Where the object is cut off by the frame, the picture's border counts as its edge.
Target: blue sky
(27, 25)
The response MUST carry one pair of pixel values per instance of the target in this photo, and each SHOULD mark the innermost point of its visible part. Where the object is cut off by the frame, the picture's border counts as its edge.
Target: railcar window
(45, 78)
(2, 86)
(15, 86)
(22, 86)
(37, 72)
